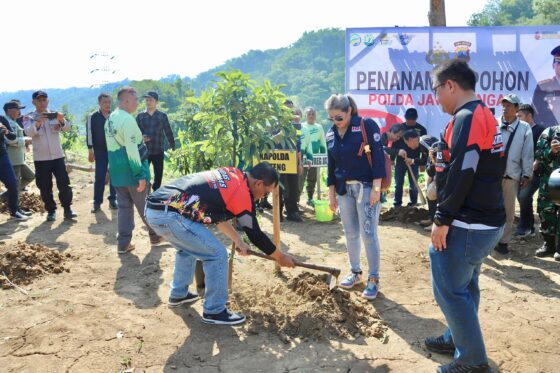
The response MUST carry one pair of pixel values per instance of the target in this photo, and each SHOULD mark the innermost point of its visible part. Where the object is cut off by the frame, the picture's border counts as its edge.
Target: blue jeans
(360, 219)
(8, 177)
(401, 170)
(101, 165)
(194, 241)
(525, 198)
(455, 273)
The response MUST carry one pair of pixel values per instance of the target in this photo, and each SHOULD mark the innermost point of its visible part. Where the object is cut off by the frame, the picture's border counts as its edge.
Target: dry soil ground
(108, 313)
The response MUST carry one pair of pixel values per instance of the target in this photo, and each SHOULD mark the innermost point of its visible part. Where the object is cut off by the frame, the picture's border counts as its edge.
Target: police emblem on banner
(463, 50)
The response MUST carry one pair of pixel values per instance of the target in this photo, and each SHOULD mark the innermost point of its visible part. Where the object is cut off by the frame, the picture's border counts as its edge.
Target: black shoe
(502, 248)
(95, 208)
(113, 205)
(26, 213)
(174, 302)
(69, 214)
(455, 367)
(266, 205)
(438, 345)
(294, 216)
(226, 317)
(547, 249)
(51, 216)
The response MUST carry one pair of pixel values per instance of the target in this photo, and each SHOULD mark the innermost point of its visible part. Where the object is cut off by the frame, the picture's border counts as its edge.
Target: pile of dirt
(305, 308)
(27, 202)
(405, 214)
(22, 262)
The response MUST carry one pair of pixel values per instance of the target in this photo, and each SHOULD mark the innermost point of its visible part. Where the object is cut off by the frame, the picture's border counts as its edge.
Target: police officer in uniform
(548, 154)
(546, 98)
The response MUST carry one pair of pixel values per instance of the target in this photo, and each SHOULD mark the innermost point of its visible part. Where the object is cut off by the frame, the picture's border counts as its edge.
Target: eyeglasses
(337, 118)
(434, 89)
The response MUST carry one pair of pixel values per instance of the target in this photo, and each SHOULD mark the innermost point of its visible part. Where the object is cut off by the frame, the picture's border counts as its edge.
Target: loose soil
(110, 313)
(304, 307)
(27, 201)
(405, 214)
(21, 263)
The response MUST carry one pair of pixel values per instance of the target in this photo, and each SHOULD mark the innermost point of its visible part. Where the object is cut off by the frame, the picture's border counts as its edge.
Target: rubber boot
(548, 248)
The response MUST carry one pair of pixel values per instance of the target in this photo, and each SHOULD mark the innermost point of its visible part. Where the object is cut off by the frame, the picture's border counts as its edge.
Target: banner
(388, 70)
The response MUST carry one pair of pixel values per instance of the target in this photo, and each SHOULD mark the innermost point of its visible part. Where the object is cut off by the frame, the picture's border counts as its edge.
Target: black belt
(507, 177)
(160, 207)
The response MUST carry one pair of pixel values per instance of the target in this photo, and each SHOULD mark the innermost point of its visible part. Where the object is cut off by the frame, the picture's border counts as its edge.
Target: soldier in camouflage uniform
(548, 156)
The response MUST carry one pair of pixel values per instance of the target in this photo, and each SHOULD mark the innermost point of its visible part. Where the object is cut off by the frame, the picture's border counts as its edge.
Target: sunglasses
(337, 118)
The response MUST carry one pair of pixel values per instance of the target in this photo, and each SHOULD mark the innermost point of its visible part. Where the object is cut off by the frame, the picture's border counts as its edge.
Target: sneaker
(439, 346)
(372, 288)
(19, 216)
(351, 280)
(154, 240)
(174, 302)
(502, 248)
(310, 202)
(95, 208)
(226, 317)
(51, 216)
(294, 216)
(126, 249)
(26, 213)
(525, 233)
(557, 256)
(113, 205)
(69, 214)
(455, 367)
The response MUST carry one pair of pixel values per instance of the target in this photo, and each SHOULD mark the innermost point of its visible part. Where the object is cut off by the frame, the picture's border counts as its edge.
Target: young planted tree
(231, 123)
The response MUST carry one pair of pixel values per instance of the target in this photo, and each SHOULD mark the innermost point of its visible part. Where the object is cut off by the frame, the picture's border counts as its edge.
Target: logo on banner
(437, 55)
(463, 50)
(385, 39)
(370, 40)
(404, 39)
(355, 40)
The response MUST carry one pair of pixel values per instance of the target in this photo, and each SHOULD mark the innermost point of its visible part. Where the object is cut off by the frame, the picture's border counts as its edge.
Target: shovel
(333, 272)
(420, 193)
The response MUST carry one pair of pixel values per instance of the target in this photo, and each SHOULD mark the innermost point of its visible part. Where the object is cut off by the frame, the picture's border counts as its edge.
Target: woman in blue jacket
(355, 186)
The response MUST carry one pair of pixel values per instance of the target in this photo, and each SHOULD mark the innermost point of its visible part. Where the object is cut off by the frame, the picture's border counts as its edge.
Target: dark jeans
(101, 165)
(157, 161)
(290, 193)
(455, 273)
(44, 171)
(525, 198)
(432, 208)
(400, 171)
(309, 175)
(8, 177)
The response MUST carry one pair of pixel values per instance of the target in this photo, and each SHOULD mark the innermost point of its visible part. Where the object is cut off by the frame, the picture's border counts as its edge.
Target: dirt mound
(27, 201)
(305, 308)
(22, 262)
(405, 214)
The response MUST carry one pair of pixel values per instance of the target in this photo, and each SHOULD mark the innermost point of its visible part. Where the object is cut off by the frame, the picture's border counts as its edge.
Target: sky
(50, 44)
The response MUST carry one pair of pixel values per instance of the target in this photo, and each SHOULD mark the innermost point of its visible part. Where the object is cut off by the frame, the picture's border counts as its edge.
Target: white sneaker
(19, 216)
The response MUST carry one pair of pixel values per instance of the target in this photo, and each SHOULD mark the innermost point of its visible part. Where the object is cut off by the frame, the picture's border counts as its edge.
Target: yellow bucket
(322, 211)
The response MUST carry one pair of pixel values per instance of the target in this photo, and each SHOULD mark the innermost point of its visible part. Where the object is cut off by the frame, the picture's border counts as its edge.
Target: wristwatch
(377, 188)
(438, 222)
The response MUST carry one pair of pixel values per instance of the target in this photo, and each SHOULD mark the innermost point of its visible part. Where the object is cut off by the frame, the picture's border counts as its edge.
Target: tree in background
(436, 15)
(230, 123)
(517, 13)
(70, 138)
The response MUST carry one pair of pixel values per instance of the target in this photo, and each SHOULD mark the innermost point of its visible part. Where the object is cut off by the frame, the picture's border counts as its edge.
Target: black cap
(556, 54)
(38, 94)
(410, 114)
(13, 104)
(152, 94)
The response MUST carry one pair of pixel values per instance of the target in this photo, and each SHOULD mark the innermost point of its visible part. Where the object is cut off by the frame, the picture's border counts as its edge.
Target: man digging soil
(180, 211)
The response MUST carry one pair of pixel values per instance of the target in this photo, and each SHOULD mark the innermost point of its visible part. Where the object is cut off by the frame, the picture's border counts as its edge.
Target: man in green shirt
(130, 174)
(312, 142)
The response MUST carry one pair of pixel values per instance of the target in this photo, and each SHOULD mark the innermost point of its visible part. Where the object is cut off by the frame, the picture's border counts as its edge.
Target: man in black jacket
(97, 146)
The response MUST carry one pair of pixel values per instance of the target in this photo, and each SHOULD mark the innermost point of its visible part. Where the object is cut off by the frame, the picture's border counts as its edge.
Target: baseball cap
(556, 54)
(38, 94)
(411, 113)
(152, 94)
(512, 98)
(13, 104)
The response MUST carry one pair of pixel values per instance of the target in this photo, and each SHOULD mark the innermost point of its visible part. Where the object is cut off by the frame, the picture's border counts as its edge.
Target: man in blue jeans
(181, 211)
(470, 214)
(97, 146)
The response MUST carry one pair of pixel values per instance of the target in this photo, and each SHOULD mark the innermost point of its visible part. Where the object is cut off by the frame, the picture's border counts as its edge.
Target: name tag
(356, 129)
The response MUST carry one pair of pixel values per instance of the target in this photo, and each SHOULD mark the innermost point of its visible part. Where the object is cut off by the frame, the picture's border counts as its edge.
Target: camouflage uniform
(548, 211)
